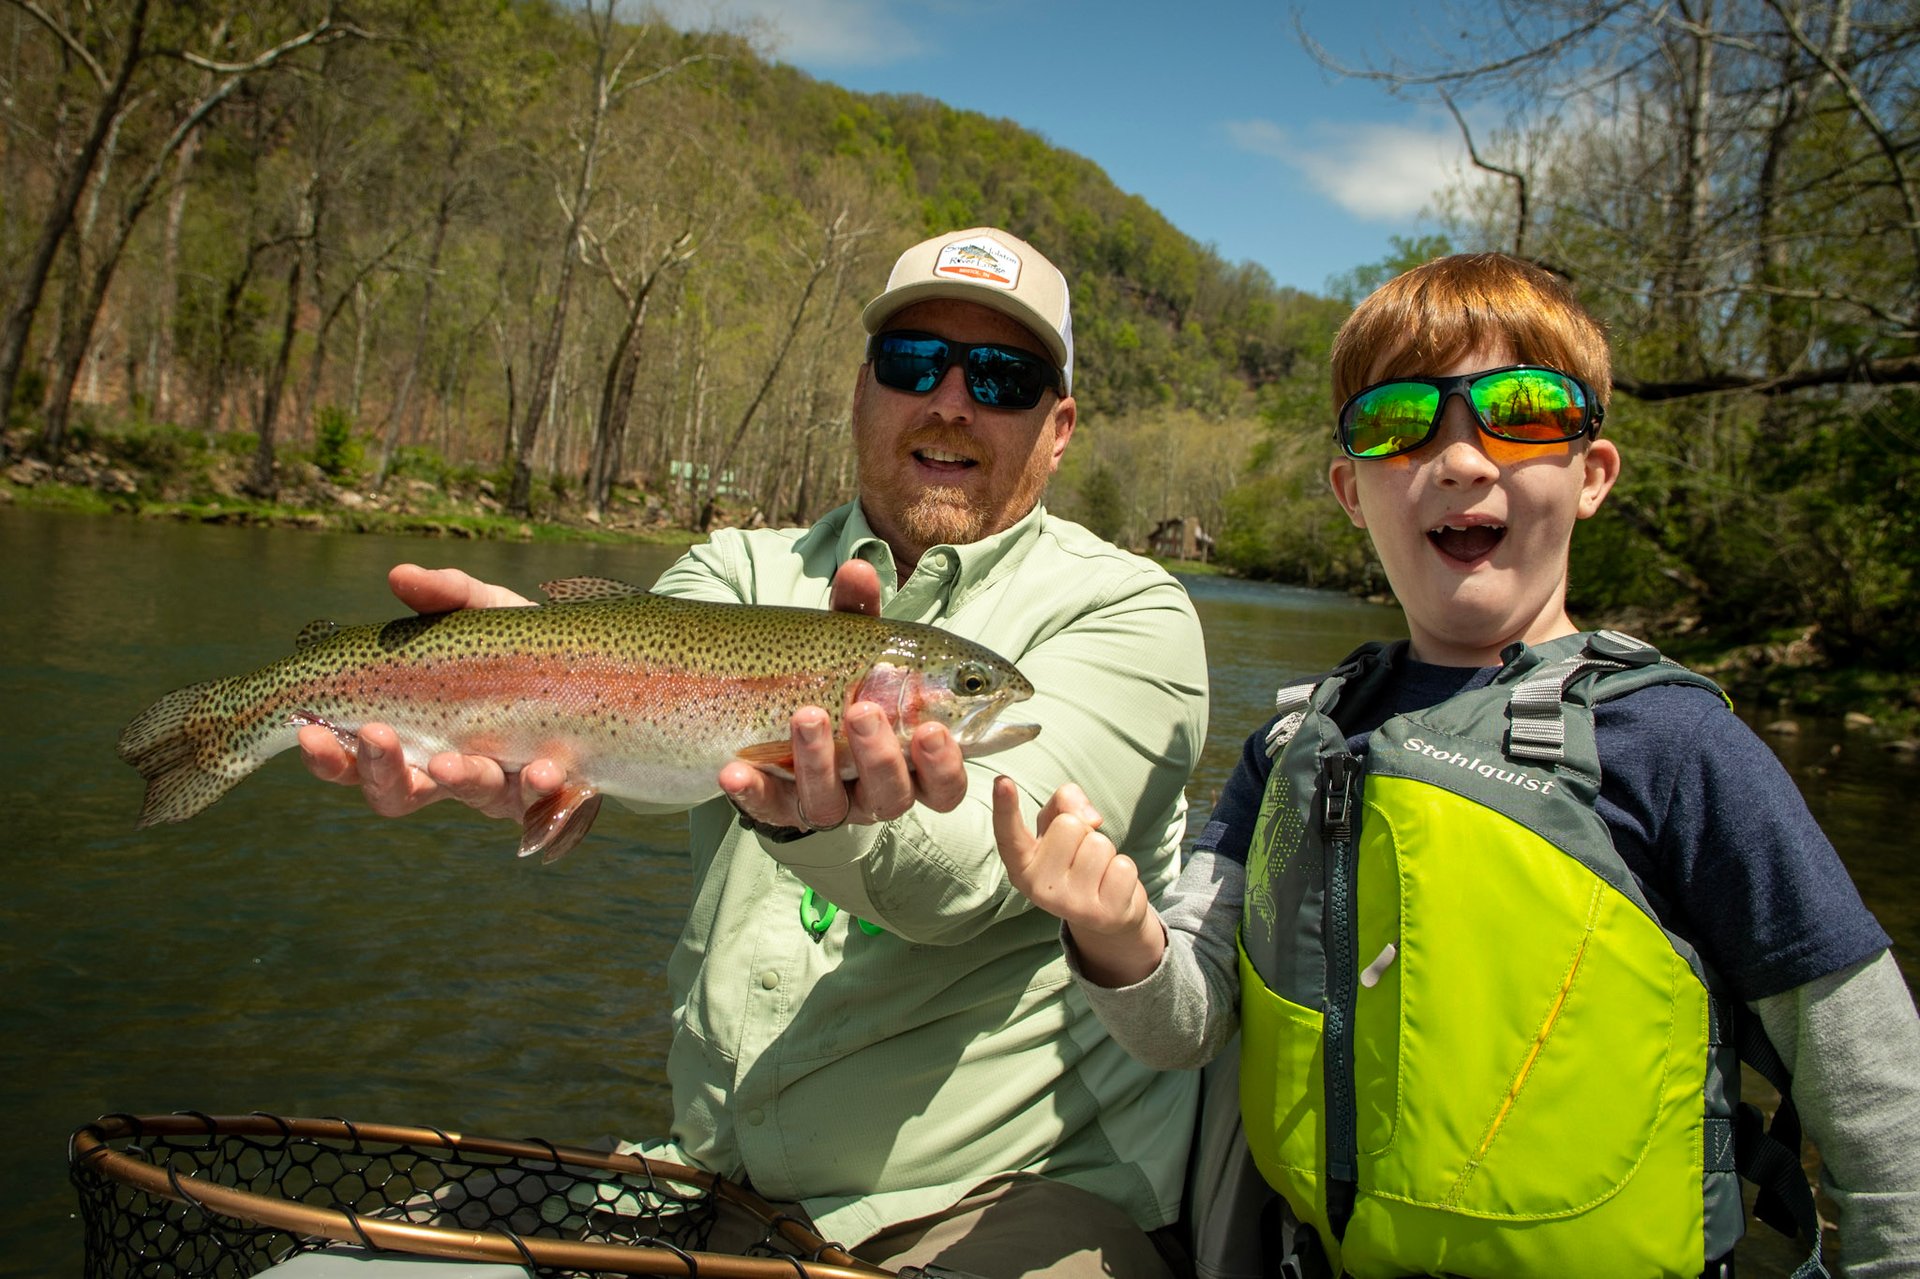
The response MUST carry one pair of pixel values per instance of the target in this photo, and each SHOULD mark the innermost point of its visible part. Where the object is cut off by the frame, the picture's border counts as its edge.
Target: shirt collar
(957, 572)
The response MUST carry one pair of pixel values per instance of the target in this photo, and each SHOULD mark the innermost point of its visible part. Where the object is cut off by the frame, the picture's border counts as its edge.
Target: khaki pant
(1019, 1227)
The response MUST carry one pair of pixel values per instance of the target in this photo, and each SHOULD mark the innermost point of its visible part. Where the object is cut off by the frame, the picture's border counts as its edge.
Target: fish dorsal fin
(313, 632)
(572, 590)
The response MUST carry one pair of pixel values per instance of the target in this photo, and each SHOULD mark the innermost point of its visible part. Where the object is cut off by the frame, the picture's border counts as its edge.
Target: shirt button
(769, 979)
(756, 1117)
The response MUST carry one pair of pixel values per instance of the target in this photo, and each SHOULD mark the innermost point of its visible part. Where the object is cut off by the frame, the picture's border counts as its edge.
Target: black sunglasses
(1523, 403)
(997, 376)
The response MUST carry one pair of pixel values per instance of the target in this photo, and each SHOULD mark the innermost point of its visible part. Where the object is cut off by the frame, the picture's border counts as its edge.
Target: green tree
(1733, 188)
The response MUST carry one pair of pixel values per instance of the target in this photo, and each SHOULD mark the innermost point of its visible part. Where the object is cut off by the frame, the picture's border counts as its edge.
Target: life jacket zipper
(1340, 776)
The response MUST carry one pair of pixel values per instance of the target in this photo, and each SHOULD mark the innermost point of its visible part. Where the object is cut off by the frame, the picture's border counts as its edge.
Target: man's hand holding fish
(392, 786)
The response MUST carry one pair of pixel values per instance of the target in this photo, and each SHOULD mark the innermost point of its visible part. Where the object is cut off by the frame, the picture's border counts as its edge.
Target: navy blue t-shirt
(1702, 813)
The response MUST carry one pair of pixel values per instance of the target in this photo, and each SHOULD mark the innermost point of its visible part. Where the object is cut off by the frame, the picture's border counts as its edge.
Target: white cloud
(814, 33)
(1379, 172)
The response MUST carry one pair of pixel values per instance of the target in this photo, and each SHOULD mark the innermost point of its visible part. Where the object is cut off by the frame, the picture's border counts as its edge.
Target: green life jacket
(1468, 1044)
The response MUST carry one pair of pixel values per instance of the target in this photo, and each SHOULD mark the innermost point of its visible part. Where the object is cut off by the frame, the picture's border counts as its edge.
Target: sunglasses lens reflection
(999, 378)
(1391, 419)
(1531, 406)
(910, 364)
(996, 376)
(1525, 406)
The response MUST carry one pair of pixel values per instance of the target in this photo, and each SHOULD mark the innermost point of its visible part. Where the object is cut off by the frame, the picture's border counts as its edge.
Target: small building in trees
(1180, 538)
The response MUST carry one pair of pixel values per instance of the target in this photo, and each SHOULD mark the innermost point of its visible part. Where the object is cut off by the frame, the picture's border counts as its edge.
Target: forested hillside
(591, 255)
(589, 269)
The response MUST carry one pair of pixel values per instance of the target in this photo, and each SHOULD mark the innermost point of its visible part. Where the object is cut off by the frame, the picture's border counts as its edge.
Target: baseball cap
(988, 266)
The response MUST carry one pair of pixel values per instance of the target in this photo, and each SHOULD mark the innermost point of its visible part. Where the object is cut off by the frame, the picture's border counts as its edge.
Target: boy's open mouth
(1466, 543)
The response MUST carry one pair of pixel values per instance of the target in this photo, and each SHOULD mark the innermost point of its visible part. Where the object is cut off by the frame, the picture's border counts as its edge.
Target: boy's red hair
(1425, 319)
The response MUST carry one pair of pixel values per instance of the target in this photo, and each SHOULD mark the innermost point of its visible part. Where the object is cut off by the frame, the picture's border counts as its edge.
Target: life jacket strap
(1769, 1155)
(1295, 701)
(1537, 705)
(1291, 701)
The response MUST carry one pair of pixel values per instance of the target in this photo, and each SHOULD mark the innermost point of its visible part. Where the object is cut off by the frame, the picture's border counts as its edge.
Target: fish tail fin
(181, 747)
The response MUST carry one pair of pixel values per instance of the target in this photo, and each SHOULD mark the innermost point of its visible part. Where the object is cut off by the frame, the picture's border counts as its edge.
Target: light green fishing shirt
(879, 1078)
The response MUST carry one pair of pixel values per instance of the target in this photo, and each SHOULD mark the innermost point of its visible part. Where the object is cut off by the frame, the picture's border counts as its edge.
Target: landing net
(220, 1196)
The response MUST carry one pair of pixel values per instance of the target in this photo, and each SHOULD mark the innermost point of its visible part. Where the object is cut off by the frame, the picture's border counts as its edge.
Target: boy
(1478, 978)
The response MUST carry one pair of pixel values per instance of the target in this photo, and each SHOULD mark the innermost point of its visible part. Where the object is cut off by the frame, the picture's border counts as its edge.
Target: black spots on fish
(405, 631)
(577, 589)
(313, 632)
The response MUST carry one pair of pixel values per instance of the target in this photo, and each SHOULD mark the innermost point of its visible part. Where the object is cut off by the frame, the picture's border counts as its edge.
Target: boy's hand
(1074, 872)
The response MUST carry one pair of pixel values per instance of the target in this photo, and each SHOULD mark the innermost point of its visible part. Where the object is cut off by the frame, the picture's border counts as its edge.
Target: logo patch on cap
(983, 260)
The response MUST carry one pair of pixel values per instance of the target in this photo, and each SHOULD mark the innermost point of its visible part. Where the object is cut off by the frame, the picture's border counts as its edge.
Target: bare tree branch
(1896, 161)
(68, 39)
(327, 32)
(1478, 71)
(1899, 370)
(1518, 179)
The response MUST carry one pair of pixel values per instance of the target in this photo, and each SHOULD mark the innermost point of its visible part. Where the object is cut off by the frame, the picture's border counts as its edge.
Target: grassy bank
(479, 526)
(169, 472)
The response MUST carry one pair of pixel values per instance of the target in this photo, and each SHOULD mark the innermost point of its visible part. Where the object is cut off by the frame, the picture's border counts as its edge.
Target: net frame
(149, 1192)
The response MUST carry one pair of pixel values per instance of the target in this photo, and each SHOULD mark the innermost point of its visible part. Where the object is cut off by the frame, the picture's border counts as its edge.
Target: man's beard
(943, 514)
(950, 514)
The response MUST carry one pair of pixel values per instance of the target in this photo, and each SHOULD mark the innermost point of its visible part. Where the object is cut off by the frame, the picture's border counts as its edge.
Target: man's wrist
(767, 830)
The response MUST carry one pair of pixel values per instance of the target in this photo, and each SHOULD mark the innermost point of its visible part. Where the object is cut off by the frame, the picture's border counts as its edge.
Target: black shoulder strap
(1296, 699)
(1769, 1156)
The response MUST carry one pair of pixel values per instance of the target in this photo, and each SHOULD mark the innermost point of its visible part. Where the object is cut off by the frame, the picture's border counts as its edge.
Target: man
(868, 1019)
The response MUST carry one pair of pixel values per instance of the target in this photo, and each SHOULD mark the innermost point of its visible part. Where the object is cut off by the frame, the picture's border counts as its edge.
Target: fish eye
(972, 679)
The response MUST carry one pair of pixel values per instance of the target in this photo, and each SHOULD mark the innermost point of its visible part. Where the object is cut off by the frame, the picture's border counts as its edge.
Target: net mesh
(198, 1195)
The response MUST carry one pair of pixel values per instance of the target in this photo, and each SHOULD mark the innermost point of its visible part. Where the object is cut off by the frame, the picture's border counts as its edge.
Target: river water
(287, 951)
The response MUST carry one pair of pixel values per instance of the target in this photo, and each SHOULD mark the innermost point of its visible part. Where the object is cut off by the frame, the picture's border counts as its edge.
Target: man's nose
(949, 396)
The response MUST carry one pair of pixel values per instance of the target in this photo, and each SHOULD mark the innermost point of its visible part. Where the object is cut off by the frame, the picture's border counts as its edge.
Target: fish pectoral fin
(776, 757)
(572, 590)
(558, 822)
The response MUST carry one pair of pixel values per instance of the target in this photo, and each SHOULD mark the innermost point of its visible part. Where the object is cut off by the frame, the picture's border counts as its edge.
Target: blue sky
(1211, 110)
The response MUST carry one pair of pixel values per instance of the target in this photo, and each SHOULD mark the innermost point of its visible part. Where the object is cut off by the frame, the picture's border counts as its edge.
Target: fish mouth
(998, 737)
(978, 731)
(1467, 541)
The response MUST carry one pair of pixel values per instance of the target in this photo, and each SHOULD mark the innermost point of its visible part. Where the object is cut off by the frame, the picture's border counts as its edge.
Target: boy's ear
(1601, 469)
(1346, 488)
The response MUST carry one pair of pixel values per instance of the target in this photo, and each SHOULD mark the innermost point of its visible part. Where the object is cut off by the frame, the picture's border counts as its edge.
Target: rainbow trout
(638, 695)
